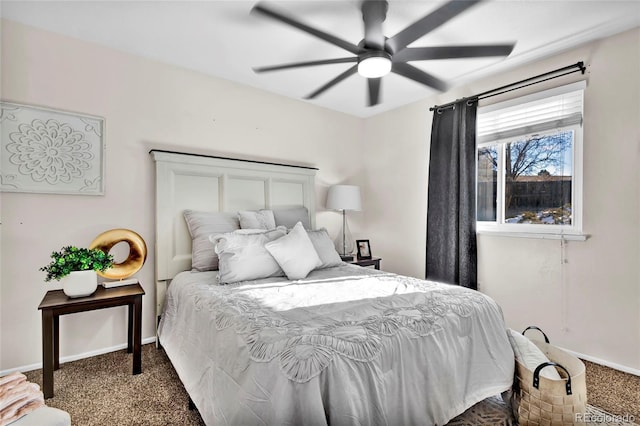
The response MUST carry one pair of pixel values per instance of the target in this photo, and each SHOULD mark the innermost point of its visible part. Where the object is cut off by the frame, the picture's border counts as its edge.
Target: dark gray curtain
(451, 214)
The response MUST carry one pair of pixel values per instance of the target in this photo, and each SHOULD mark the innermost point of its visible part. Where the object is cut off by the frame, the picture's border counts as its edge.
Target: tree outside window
(537, 179)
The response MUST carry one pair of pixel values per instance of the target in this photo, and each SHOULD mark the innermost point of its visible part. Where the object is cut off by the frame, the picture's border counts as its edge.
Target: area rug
(493, 411)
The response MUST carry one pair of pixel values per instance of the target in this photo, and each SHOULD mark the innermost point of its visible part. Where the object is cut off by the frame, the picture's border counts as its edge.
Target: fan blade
(374, 90)
(306, 64)
(429, 23)
(452, 52)
(333, 82)
(299, 25)
(420, 76)
(374, 13)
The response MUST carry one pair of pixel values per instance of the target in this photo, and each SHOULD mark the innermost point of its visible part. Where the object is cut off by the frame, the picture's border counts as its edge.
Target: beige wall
(146, 105)
(591, 304)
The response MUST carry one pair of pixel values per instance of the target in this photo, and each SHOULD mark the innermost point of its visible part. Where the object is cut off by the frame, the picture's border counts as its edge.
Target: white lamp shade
(344, 197)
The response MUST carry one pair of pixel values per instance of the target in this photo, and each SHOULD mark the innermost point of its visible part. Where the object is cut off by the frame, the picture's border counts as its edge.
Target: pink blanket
(18, 397)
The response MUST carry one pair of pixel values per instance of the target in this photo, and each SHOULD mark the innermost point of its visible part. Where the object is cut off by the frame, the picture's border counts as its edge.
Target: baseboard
(75, 357)
(609, 364)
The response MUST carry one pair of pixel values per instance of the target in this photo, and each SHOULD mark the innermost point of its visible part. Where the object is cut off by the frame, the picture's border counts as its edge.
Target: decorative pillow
(530, 355)
(325, 248)
(201, 225)
(256, 219)
(295, 253)
(289, 217)
(243, 256)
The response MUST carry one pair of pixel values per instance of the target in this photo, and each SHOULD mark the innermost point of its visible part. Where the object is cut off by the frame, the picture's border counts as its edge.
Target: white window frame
(566, 232)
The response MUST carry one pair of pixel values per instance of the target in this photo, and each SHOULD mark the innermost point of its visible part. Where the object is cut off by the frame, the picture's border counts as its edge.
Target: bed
(343, 345)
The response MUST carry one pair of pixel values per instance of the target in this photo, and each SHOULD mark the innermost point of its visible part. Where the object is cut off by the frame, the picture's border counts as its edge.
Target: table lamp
(344, 197)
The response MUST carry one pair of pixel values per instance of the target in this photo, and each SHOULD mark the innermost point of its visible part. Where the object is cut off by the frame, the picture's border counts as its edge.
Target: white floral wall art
(50, 151)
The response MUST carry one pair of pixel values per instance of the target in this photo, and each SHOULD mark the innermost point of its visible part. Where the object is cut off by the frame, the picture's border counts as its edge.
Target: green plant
(70, 259)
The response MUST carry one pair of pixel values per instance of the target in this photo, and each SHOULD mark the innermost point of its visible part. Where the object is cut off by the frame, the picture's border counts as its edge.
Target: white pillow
(530, 355)
(202, 225)
(256, 219)
(295, 253)
(247, 231)
(243, 256)
(325, 248)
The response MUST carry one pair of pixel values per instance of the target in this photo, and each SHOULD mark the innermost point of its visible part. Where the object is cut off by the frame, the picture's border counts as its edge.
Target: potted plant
(76, 269)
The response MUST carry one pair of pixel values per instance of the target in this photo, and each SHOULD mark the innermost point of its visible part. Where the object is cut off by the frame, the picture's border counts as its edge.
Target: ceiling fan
(376, 55)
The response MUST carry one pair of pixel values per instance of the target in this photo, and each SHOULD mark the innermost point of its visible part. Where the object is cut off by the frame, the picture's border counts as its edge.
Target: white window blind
(542, 111)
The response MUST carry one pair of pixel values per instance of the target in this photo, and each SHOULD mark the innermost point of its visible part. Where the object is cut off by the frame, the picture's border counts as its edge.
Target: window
(529, 159)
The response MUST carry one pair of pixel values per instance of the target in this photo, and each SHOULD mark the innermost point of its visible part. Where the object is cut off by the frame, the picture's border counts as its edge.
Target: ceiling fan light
(374, 66)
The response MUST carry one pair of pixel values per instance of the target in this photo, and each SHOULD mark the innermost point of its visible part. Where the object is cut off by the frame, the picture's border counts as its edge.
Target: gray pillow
(289, 217)
(325, 248)
(201, 225)
(256, 219)
(295, 253)
(243, 256)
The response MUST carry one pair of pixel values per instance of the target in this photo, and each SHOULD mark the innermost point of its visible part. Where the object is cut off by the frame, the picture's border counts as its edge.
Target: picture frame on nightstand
(364, 249)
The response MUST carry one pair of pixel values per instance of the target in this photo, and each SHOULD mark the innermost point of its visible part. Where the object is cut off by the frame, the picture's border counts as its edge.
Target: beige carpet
(101, 391)
(613, 390)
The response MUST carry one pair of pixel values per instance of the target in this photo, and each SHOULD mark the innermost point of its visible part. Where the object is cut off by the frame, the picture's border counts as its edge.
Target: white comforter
(345, 346)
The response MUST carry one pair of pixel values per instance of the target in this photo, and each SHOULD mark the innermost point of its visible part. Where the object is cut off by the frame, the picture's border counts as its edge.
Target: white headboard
(206, 183)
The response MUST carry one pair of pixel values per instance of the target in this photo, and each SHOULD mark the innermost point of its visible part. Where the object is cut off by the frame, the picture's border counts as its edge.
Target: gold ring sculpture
(133, 262)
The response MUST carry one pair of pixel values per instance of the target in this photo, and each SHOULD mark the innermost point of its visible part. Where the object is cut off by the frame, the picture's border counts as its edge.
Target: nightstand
(56, 303)
(374, 261)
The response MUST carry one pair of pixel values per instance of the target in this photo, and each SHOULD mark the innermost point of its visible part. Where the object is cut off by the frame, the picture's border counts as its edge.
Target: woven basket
(542, 401)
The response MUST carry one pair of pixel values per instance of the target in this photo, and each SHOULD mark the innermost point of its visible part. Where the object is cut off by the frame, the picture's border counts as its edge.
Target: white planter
(80, 283)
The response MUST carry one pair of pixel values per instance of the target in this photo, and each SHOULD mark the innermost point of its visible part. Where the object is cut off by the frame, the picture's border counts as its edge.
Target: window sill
(538, 235)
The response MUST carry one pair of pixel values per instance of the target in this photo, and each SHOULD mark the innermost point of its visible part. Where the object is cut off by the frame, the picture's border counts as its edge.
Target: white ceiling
(222, 38)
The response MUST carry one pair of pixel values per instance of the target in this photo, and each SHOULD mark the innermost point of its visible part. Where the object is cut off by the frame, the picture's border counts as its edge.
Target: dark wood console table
(56, 303)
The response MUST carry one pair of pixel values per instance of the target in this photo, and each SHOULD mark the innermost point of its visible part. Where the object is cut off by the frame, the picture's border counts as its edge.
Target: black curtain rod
(517, 85)
(231, 158)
